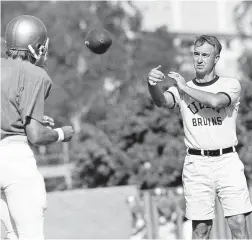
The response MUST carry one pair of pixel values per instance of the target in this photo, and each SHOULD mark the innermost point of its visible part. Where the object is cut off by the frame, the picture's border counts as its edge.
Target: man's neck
(205, 78)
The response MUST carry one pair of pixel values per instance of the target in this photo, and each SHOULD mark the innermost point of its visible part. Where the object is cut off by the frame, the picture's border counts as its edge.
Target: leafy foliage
(122, 138)
(242, 16)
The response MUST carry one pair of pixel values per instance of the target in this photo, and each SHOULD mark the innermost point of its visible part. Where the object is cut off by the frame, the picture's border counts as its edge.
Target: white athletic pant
(23, 187)
(6, 219)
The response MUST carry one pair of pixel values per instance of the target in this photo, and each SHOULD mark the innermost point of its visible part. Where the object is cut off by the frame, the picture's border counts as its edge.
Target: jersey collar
(205, 83)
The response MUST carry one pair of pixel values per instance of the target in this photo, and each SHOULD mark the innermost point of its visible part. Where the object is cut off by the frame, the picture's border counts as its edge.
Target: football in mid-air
(98, 40)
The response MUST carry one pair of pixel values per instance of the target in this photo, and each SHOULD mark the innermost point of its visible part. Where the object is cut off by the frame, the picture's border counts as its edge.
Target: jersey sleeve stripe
(173, 99)
(228, 97)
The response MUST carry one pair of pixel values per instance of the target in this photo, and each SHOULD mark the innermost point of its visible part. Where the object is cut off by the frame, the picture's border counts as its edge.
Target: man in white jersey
(209, 106)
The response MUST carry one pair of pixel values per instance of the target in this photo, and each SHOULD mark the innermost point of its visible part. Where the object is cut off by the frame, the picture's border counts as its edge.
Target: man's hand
(155, 76)
(179, 80)
(48, 122)
(68, 133)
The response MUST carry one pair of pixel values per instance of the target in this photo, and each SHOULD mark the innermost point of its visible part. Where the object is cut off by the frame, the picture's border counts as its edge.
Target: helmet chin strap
(33, 52)
(42, 55)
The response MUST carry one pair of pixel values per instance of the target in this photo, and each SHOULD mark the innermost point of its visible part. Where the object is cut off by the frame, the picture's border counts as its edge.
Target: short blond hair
(24, 55)
(212, 40)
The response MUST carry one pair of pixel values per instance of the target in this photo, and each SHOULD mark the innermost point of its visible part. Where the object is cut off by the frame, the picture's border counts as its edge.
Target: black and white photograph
(126, 119)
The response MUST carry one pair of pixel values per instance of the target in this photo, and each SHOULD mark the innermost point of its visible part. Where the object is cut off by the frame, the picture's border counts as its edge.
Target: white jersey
(205, 127)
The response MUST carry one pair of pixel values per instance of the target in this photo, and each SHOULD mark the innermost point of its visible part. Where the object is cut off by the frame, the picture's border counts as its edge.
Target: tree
(119, 130)
(143, 132)
(243, 19)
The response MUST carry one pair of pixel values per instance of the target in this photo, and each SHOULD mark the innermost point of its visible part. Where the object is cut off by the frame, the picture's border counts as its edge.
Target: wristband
(60, 133)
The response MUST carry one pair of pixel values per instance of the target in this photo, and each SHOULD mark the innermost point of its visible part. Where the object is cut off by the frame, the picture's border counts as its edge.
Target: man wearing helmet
(25, 85)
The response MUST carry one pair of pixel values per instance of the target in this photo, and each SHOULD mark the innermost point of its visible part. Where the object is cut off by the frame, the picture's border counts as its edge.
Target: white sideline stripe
(60, 170)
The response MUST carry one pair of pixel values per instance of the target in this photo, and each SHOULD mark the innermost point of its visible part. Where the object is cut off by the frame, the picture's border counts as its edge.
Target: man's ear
(217, 57)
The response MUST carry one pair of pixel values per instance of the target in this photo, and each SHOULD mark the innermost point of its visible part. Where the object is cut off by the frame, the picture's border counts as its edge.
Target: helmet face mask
(41, 57)
(28, 33)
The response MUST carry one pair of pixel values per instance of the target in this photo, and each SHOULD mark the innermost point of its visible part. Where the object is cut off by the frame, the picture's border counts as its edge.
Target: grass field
(89, 214)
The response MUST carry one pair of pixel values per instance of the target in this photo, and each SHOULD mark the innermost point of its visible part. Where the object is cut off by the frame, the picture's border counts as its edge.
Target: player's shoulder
(230, 82)
(229, 79)
(190, 83)
(3, 61)
(7, 62)
(34, 72)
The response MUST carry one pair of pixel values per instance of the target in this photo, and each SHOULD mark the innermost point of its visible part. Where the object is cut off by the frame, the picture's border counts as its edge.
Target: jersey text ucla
(207, 127)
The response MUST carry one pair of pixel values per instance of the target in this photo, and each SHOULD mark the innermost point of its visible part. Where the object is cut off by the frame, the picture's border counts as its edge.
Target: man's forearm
(40, 135)
(47, 136)
(157, 95)
(207, 98)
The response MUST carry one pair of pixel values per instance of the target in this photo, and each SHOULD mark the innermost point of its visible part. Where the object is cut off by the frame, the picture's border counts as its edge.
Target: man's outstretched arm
(159, 98)
(215, 100)
(218, 100)
(38, 134)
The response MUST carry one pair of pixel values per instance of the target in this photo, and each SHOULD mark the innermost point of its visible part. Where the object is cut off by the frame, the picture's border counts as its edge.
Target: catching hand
(48, 122)
(68, 133)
